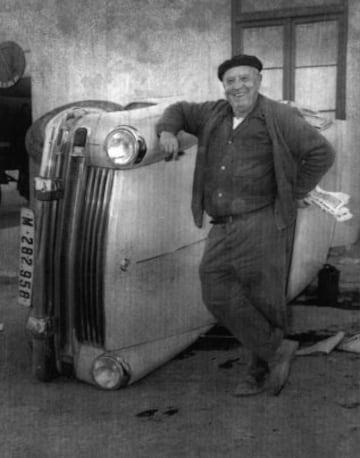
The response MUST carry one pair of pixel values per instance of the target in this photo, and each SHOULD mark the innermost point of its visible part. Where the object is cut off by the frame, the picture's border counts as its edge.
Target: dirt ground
(184, 409)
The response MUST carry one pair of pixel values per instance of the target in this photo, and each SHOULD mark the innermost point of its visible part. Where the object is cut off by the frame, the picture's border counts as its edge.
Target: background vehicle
(15, 119)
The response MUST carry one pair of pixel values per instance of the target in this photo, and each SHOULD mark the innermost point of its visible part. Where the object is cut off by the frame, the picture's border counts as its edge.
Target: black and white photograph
(179, 229)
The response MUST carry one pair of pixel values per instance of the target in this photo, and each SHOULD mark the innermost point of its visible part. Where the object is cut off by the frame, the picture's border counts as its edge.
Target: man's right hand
(170, 145)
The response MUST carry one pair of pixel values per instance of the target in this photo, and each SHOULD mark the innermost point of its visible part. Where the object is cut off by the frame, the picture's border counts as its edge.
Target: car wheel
(44, 361)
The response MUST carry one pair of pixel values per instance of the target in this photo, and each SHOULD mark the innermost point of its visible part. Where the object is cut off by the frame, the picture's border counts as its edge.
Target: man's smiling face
(241, 86)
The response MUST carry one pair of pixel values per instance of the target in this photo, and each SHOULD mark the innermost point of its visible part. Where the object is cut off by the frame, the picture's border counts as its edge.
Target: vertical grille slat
(94, 257)
(103, 218)
(90, 322)
(90, 253)
(84, 263)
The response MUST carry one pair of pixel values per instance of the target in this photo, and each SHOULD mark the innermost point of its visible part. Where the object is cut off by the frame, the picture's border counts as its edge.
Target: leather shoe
(258, 367)
(249, 386)
(280, 365)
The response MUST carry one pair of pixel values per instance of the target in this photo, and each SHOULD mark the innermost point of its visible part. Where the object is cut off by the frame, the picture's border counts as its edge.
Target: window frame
(289, 17)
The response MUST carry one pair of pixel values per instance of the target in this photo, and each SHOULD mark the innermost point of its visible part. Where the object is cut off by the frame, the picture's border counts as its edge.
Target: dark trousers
(243, 277)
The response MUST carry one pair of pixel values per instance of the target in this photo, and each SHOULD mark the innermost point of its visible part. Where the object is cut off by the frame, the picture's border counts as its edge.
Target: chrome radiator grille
(89, 314)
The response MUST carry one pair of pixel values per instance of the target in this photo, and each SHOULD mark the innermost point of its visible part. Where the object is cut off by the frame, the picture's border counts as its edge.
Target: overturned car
(109, 253)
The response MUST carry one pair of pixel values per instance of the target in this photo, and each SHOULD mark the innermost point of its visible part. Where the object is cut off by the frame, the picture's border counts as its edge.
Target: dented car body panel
(116, 252)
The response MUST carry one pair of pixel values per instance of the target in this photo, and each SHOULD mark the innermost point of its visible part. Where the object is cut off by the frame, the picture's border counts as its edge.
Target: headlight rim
(139, 146)
(122, 371)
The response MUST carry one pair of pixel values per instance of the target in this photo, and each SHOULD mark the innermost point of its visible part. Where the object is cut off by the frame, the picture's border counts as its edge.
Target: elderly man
(257, 159)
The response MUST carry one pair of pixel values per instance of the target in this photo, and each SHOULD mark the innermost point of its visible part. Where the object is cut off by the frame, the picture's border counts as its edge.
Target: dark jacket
(301, 154)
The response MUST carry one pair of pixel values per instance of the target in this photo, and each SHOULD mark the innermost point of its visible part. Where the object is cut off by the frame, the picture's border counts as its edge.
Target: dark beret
(236, 61)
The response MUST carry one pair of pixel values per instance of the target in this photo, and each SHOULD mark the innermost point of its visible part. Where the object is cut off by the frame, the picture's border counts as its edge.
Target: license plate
(26, 261)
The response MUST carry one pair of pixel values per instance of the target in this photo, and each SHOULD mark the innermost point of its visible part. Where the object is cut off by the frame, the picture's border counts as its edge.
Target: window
(303, 51)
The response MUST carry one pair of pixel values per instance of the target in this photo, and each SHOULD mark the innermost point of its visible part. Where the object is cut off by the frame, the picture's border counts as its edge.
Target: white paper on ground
(324, 346)
(351, 344)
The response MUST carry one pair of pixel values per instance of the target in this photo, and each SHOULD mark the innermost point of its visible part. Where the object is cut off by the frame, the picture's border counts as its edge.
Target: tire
(43, 359)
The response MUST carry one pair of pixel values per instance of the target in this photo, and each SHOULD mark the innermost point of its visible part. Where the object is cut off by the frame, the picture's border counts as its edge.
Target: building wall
(123, 50)
(345, 135)
(118, 50)
(348, 138)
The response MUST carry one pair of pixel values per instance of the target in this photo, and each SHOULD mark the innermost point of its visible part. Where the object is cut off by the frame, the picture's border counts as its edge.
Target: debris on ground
(324, 346)
(351, 344)
(337, 341)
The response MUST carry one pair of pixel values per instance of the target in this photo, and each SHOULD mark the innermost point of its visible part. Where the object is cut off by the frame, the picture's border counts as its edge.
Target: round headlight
(109, 372)
(124, 146)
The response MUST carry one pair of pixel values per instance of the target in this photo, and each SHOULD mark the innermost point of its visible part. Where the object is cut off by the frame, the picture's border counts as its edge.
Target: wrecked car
(109, 253)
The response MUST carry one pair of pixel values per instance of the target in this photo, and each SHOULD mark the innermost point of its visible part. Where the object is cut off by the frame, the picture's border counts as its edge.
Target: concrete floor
(184, 409)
